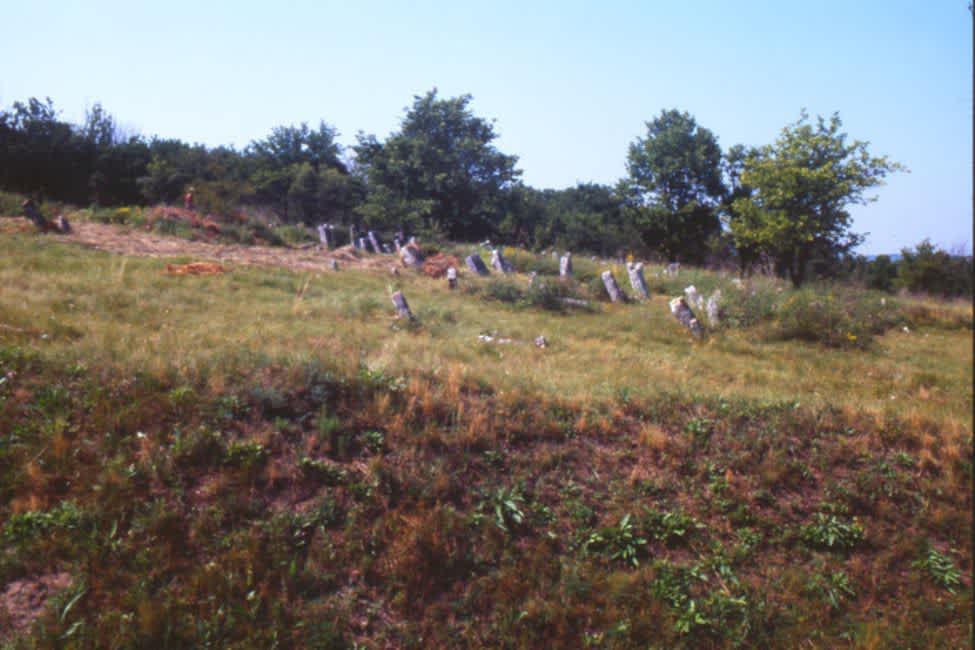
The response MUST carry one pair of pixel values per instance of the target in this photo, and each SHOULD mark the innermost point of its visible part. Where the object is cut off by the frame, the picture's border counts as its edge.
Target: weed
(833, 532)
(940, 568)
(618, 542)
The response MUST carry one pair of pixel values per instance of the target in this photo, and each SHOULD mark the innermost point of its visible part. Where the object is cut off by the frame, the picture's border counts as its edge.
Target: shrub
(940, 568)
(832, 532)
(842, 320)
(618, 542)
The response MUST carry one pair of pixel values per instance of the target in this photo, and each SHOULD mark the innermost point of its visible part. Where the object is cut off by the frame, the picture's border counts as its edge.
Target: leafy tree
(929, 269)
(440, 170)
(674, 186)
(294, 145)
(800, 190)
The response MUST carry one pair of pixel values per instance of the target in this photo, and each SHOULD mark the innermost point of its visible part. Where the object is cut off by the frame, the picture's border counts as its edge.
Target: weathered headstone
(694, 299)
(364, 244)
(394, 271)
(612, 288)
(402, 308)
(532, 278)
(354, 236)
(541, 342)
(476, 264)
(682, 312)
(410, 254)
(714, 308)
(374, 241)
(333, 264)
(451, 278)
(32, 213)
(61, 223)
(565, 266)
(637, 281)
(325, 235)
(397, 243)
(672, 269)
(387, 249)
(499, 263)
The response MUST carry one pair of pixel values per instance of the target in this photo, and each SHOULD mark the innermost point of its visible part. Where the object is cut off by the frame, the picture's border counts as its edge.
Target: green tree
(674, 186)
(929, 269)
(440, 170)
(801, 187)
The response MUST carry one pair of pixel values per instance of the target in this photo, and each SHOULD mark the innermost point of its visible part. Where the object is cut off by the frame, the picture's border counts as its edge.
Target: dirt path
(129, 241)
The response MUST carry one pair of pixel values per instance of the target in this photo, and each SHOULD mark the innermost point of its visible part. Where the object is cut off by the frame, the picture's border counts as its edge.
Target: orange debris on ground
(437, 265)
(205, 223)
(195, 268)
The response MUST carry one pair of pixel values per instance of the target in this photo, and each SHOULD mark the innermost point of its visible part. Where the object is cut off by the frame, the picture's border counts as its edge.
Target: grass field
(268, 458)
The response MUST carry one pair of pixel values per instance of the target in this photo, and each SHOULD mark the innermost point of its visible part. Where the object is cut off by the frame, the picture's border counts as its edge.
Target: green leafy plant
(833, 532)
(618, 542)
(940, 568)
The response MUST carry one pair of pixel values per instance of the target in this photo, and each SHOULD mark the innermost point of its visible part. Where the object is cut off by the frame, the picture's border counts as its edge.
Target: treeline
(781, 208)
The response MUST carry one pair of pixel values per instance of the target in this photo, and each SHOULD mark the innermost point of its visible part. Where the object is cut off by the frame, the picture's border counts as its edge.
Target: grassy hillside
(265, 458)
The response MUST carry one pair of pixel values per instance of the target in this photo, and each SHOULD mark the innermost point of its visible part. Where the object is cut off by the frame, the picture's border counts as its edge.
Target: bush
(842, 320)
(830, 531)
(927, 269)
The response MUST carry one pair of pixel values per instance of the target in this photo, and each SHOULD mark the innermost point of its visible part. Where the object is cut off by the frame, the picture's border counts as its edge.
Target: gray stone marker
(637, 281)
(714, 308)
(402, 308)
(410, 254)
(498, 262)
(476, 264)
(532, 279)
(451, 278)
(565, 266)
(612, 288)
(682, 312)
(376, 248)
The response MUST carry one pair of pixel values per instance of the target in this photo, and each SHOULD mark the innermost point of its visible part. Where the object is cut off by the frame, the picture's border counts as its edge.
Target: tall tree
(801, 187)
(440, 169)
(674, 186)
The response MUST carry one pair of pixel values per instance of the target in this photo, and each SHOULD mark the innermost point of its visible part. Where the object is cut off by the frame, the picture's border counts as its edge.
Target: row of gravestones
(680, 307)
(369, 242)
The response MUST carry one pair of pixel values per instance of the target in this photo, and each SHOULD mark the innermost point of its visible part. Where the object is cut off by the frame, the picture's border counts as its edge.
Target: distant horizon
(568, 85)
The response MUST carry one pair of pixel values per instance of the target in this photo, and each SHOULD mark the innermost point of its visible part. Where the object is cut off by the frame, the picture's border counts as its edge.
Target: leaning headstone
(376, 248)
(694, 298)
(387, 249)
(612, 288)
(324, 236)
(397, 243)
(451, 278)
(32, 213)
(565, 266)
(62, 224)
(499, 263)
(410, 254)
(714, 308)
(682, 312)
(364, 245)
(541, 342)
(476, 264)
(334, 265)
(532, 278)
(402, 308)
(637, 281)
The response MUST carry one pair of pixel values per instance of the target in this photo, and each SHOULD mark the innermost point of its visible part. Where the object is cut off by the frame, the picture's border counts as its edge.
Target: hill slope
(264, 457)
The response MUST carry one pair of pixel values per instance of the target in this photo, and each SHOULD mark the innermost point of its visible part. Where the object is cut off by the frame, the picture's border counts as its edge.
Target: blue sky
(570, 84)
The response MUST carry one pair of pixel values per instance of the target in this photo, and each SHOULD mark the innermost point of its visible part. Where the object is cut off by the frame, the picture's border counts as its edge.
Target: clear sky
(570, 84)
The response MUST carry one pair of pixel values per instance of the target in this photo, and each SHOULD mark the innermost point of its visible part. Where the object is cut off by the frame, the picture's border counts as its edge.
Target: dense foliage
(784, 206)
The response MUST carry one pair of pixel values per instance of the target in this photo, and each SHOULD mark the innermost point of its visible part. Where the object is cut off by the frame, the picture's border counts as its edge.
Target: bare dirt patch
(129, 241)
(22, 601)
